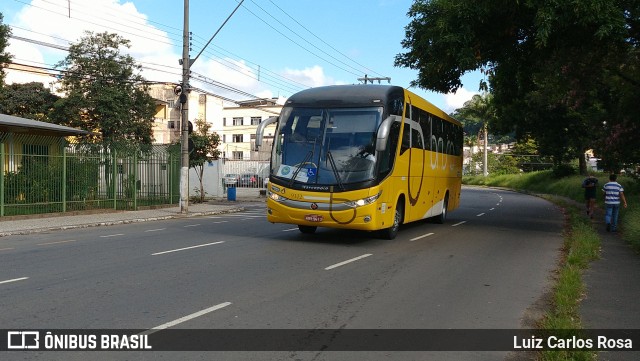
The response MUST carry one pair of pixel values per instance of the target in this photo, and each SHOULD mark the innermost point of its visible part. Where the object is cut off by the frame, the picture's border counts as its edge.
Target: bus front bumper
(359, 218)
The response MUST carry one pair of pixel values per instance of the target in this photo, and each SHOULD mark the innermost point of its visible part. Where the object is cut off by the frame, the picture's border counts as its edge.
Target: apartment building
(236, 123)
(240, 123)
(166, 125)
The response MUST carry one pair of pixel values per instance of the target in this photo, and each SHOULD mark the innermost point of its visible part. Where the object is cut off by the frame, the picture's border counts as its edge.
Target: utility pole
(485, 160)
(186, 62)
(184, 101)
(366, 79)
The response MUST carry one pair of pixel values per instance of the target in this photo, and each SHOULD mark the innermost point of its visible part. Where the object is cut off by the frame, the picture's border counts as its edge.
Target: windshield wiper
(334, 169)
(305, 161)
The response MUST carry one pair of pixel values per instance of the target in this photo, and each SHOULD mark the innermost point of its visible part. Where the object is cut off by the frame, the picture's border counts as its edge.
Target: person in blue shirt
(613, 194)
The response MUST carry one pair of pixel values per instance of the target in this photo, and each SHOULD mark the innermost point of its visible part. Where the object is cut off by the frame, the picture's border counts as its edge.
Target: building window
(224, 138)
(172, 103)
(237, 138)
(237, 121)
(171, 124)
(237, 154)
(256, 120)
(224, 122)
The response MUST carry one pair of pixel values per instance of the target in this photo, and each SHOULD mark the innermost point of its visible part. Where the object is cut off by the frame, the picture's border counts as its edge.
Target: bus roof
(359, 95)
(345, 95)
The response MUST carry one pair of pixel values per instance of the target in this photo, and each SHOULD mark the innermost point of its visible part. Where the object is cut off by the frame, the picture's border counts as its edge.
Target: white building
(235, 123)
(166, 126)
(239, 129)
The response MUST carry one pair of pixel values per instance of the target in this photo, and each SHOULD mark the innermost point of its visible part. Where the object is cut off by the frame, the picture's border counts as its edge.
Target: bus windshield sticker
(287, 171)
(311, 172)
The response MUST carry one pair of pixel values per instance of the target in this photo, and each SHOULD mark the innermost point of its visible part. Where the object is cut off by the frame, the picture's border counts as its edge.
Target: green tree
(497, 163)
(480, 110)
(557, 70)
(30, 100)
(105, 92)
(205, 149)
(5, 57)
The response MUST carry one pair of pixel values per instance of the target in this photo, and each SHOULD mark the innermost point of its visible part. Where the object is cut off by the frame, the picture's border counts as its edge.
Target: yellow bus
(365, 157)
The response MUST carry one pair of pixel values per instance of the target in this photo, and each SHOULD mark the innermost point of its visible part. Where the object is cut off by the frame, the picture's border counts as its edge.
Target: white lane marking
(491, 209)
(290, 229)
(14, 280)
(480, 215)
(186, 318)
(186, 248)
(220, 222)
(155, 230)
(191, 225)
(6, 249)
(459, 223)
(214, 217)
(420, 237)
(348, 261)
(497, 204)
(113, 235)
(57, 242)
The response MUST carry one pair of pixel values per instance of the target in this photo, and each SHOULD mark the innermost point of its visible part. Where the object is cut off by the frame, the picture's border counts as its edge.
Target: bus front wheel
(307, 229)
(398, 217)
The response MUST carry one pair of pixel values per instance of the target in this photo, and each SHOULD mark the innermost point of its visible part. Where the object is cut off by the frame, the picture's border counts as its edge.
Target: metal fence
(247, 173)
(42, 174)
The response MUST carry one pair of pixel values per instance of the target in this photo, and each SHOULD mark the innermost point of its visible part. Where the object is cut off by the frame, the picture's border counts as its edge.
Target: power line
(317, 37)
(298, 44)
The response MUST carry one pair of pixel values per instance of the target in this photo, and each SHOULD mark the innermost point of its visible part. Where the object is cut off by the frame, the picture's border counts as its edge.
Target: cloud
(48, 22)
(52, 22)
(312, 77)
(457, 99)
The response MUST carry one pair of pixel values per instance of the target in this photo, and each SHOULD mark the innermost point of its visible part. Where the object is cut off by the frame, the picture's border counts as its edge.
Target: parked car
(231, 178)
(249, 180)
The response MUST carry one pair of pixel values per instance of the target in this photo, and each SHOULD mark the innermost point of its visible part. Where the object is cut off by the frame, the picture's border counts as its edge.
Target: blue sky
(269, 48)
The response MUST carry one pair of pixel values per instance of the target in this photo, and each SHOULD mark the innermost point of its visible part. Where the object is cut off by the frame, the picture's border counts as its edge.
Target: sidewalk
(612, 295)
(43, 223)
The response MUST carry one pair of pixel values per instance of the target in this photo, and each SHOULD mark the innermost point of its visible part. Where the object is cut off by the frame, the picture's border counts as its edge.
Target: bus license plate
(313, 218)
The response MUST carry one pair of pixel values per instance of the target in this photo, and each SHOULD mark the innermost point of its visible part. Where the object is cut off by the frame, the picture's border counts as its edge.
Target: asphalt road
(488, 267)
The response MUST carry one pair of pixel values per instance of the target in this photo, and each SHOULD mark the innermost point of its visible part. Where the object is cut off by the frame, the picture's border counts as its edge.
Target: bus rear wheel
(398, 218)
(307, 229)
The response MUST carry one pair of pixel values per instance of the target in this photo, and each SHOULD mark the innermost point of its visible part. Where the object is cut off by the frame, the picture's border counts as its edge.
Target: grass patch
(581, 246)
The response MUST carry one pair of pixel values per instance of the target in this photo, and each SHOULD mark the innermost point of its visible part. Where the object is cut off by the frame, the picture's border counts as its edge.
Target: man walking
(589, 185)
(613, 193)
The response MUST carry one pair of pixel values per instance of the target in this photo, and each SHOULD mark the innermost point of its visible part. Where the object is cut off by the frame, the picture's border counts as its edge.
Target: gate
(247, 173)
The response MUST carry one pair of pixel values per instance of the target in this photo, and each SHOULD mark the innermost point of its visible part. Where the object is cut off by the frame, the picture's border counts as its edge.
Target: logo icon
(314, 206)
(23, 340)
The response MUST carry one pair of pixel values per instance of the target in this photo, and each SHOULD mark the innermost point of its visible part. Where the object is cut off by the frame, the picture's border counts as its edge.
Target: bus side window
(417, 139)
(406, 138)
(389, 155)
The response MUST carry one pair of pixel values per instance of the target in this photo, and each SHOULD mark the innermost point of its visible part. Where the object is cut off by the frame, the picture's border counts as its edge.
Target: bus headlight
(276, 197)
(363, 201)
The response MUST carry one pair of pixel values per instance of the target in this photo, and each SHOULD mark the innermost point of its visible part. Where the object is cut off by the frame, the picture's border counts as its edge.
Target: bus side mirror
(383, 133)
(261, 128)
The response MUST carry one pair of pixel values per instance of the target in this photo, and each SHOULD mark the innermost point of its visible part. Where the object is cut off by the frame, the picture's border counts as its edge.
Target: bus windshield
(326, 146)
